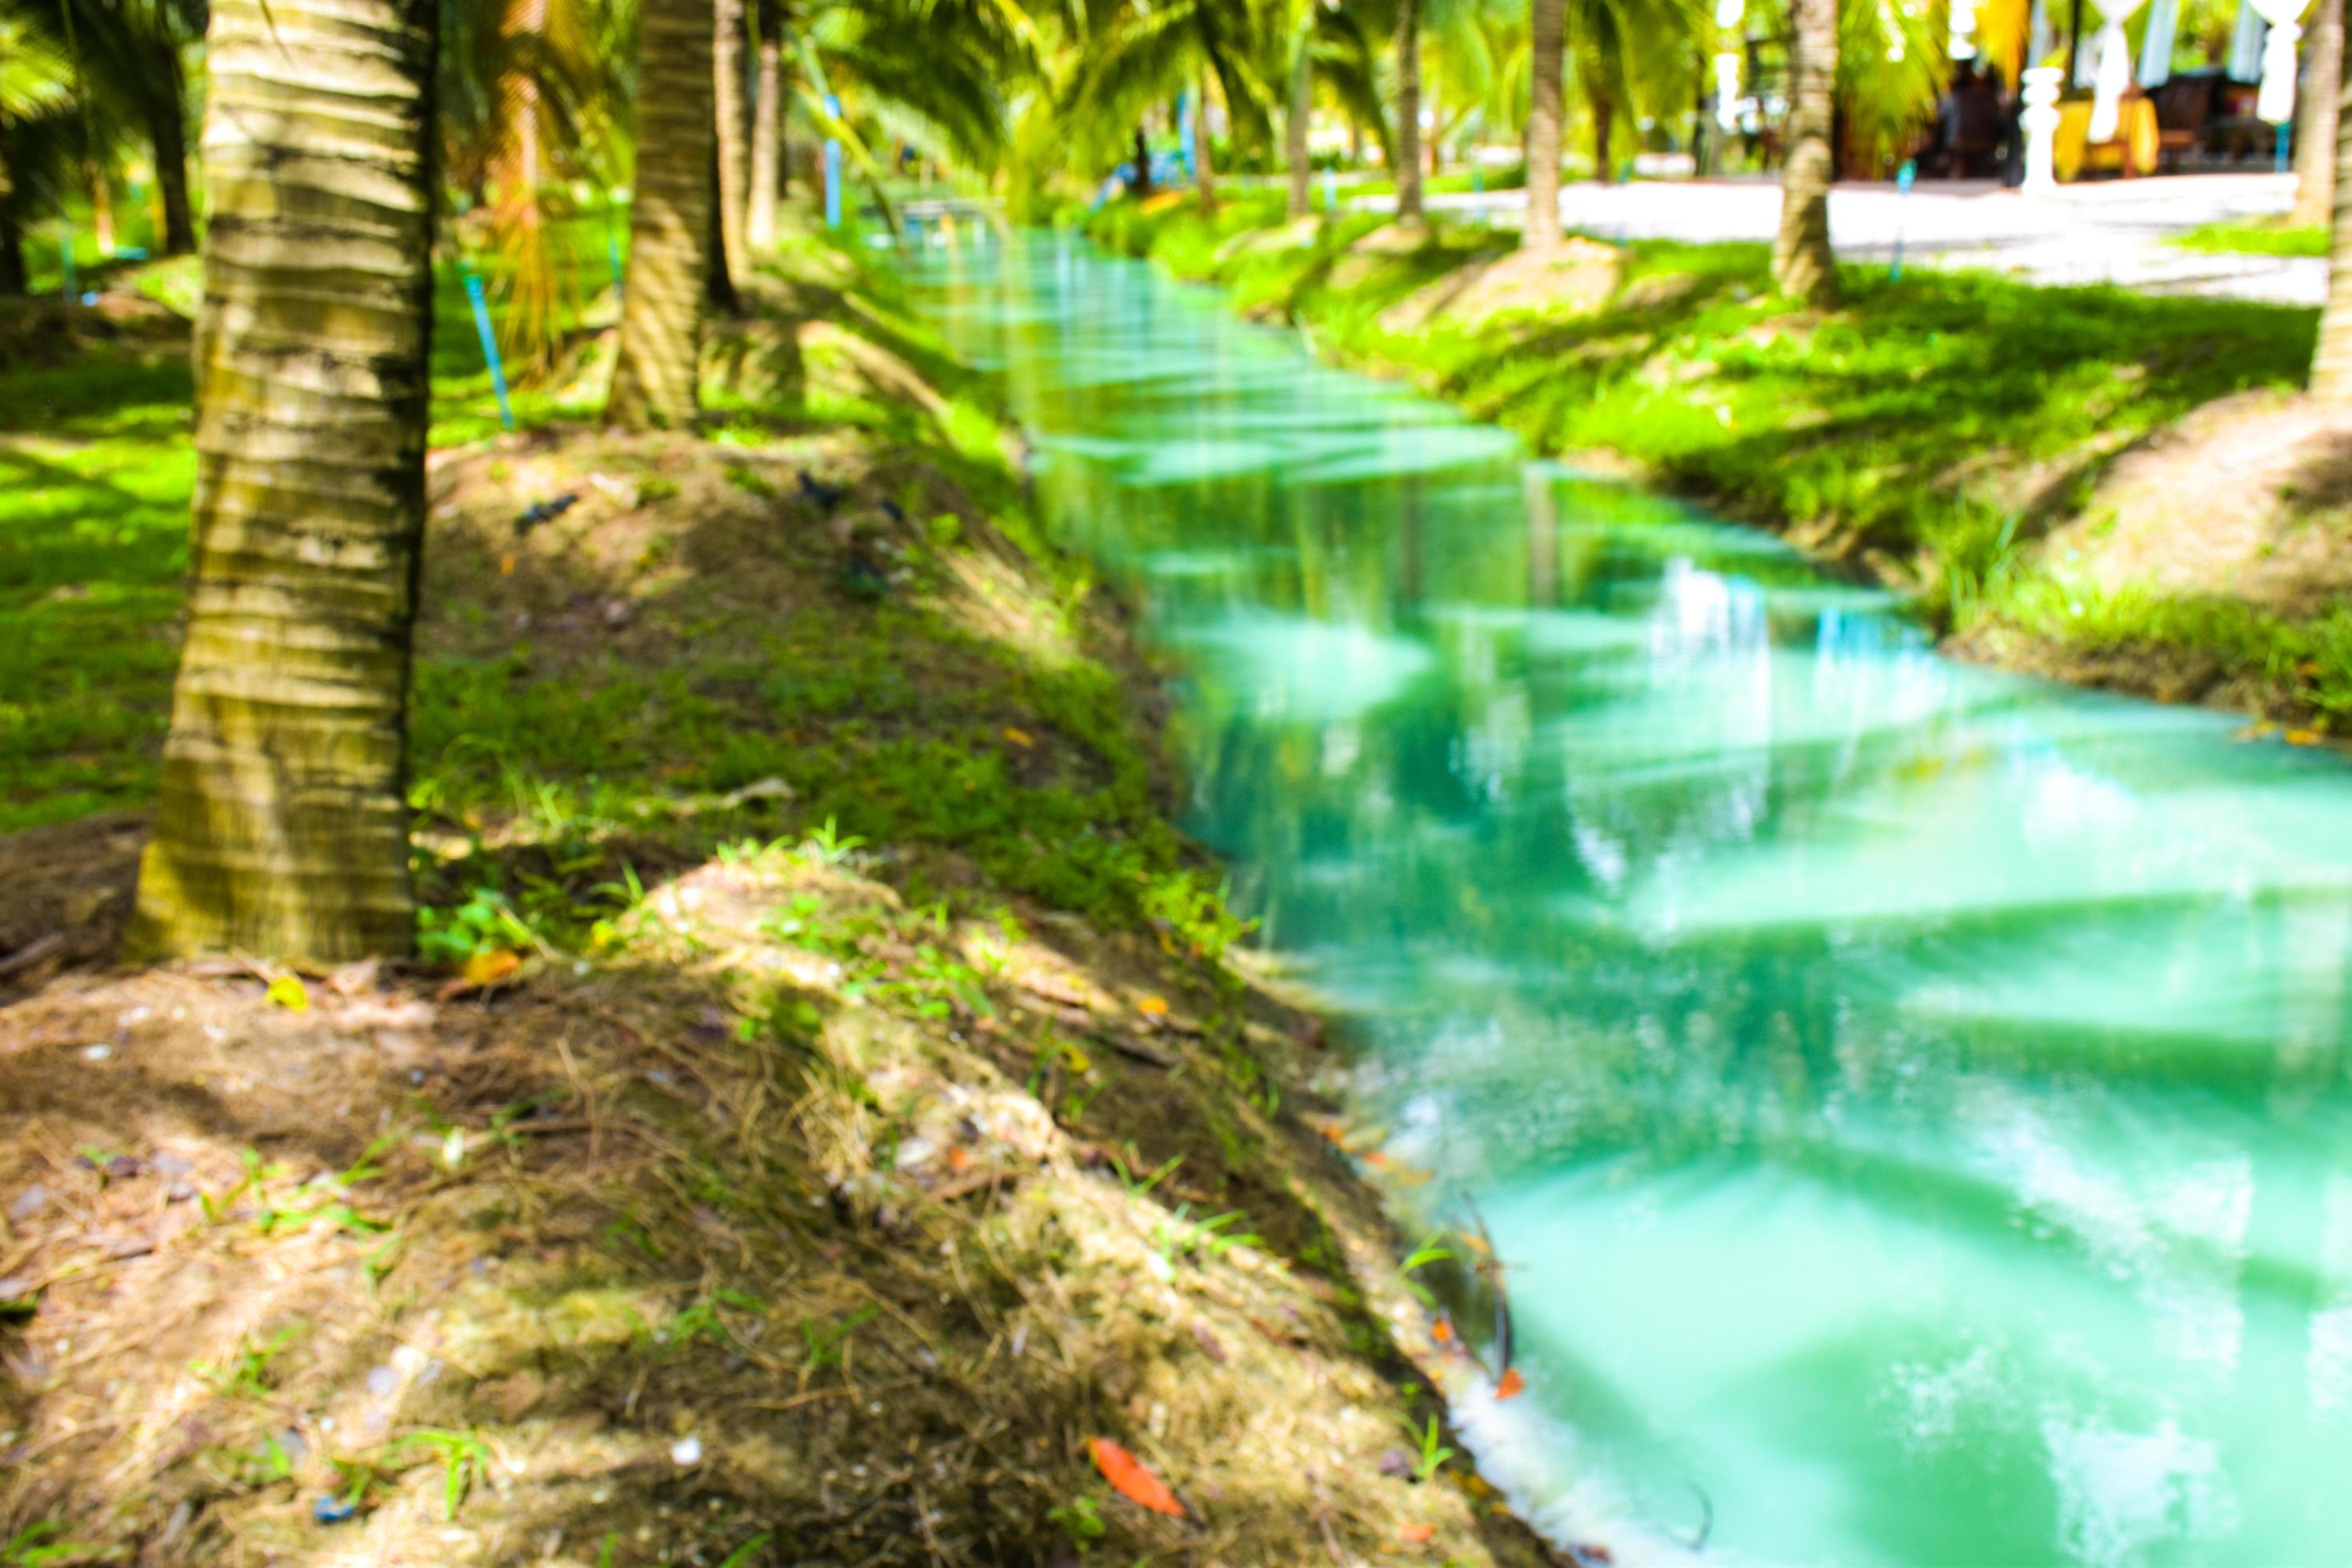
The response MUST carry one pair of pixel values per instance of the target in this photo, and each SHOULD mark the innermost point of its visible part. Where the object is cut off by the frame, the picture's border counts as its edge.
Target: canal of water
(1909, 1101)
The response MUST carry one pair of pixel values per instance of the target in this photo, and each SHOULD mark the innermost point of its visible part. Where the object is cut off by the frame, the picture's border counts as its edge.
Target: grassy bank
(831, 1097)
(2257, 236)
(1940, 429)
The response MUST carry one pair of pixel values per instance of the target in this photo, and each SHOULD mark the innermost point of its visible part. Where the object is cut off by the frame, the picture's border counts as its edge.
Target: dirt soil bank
(832, 1104)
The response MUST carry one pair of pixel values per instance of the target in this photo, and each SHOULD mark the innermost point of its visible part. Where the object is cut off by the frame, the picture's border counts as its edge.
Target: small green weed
(826, 1343)
(464, 1462)
(1431, 1449)
(250, 1373)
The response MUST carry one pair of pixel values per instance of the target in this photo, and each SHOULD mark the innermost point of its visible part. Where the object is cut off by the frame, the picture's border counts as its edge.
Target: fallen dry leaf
(1511, 1384)
(1417, 1534)
(1152, 1008)
(1129, 1478)
(1442, 1332)
(1019, 737)
(288, 992)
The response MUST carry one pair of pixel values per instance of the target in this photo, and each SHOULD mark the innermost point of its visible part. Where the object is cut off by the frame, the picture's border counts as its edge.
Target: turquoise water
(1909, 1101)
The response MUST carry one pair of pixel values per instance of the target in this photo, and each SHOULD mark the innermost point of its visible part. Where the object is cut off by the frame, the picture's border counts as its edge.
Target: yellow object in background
(2133, 150)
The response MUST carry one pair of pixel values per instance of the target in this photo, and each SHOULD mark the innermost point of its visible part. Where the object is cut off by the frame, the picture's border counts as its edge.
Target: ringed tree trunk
(727, 17)
(281, 826)
(2315, 135)
(1548, 23)
(1604, 127)
(1802, 266)
(718, 292)
(1408, 158)
(101, 206)
(1293, 131)
(767, 133)
(1204, 154)
(11, 237)
(167, 129)
(653, 384)
(2331, 363)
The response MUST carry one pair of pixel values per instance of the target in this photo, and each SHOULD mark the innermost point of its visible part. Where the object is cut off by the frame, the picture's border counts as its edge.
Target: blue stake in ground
(489, 345)
(613, 248)
(1903, 177)
(833, 167)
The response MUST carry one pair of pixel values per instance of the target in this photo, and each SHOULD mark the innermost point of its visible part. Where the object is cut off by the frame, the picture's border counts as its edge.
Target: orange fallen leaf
(1416, 1533)
(1129, 1478)
(1375, 1159)
(505, 566)
(2303, 737)
(958, 1159)
(1511, 1385)
(1442, 1332)
(1152, 1008)
(1019, 737)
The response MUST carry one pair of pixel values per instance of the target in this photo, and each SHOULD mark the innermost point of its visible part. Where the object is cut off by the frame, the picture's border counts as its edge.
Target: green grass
(557, 770)
(96, 465)
(1934, 426)
(2257, 236)
(1454, 182)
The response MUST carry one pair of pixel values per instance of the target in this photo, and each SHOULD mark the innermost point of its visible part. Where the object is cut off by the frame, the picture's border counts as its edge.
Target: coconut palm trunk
(727, 35)
(1548, 23)
(1408, 150)
(669, 229)
(1204, 154)
(1802, 264)
(767, 132)
(2315, 134)
(281, 826)
(1294, 127)
(1604, 128)
(2331, 364)
(12, 236)
(167, 129)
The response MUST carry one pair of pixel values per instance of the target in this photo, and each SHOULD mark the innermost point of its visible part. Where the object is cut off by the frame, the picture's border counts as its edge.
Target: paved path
(2106, 232)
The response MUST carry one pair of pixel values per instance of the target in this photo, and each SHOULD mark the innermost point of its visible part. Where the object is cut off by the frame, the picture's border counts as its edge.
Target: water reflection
(1911, 1099)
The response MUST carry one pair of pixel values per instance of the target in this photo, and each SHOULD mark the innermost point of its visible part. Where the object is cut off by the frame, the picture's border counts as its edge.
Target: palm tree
(727, 36)
(528, 98)
(130, 52)
(281, 828)
(33, 83)
(1547, 22)
(1298, 113)
(654, 384)
(1123, 59)
(1408, 132)
(767, 129)
(2315, 136)
(1802, 266)
(166, 106)
(2331, 361)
